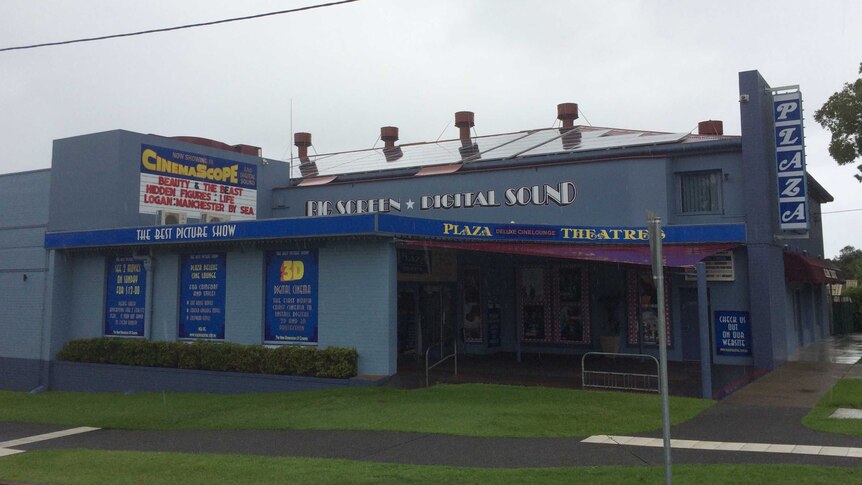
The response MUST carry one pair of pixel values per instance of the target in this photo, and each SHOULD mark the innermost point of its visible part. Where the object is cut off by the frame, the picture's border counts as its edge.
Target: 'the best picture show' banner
(202, 296)
(291, 296)
(732, 333)
(126, 301)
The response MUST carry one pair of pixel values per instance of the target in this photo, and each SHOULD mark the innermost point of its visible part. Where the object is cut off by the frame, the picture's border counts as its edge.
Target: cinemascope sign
(790, 162)
(197, 185)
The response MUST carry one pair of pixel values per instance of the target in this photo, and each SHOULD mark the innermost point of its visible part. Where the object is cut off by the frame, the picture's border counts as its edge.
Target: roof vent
(710, 127)
(567, 113)
(389, 135)
(464, 120)
(307, 168)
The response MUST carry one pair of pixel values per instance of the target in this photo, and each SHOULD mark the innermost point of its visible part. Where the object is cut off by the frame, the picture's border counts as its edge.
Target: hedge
(226, 357)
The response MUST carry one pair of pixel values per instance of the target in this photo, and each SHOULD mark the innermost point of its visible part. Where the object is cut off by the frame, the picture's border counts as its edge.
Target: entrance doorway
(426, 316)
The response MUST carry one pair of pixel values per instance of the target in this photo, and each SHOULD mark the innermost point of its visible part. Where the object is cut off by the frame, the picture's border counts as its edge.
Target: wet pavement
(808, 374)
(838, 349)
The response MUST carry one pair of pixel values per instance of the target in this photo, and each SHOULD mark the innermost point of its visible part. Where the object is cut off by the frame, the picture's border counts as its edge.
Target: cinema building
(531, 242)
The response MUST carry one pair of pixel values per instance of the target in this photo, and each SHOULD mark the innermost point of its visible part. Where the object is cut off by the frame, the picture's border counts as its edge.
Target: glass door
(435, 316)
(408, 321)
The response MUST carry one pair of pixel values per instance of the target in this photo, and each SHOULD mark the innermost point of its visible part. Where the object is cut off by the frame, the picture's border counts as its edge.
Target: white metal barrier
(616, 378)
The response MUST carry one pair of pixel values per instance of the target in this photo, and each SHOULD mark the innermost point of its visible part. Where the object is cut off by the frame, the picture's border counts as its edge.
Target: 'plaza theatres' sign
(176, 181)
(790, 162)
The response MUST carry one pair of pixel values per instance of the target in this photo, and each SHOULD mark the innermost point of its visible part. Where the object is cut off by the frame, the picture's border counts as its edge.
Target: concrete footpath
(760, 423)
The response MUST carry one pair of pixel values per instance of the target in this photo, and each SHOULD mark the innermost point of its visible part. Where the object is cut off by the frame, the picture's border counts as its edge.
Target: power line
(179, 27)
(836, 212)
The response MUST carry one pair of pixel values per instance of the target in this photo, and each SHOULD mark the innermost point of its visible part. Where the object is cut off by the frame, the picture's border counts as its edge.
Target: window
(699, 192)
(572, 304)
(533, 304)
(554, 303)
(643, 309)
(472, 305)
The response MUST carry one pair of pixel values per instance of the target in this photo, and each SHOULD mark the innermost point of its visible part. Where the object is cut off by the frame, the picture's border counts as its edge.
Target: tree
(849, 261)
(855, 295)
(841, 114)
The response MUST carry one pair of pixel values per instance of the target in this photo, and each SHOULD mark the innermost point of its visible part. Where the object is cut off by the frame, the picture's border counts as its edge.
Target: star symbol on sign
(410, 204)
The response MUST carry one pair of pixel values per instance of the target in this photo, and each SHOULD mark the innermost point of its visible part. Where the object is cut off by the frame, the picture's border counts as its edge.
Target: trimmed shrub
(331, 362)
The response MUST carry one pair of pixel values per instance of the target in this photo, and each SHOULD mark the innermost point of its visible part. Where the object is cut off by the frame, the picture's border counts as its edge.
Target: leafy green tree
(849, 261)
(855, 295)
(841, 114)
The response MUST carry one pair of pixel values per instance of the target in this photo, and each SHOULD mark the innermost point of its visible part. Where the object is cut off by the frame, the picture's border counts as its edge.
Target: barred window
(699, 192)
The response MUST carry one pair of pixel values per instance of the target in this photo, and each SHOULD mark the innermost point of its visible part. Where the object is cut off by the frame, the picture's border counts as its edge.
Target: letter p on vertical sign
(788, 110)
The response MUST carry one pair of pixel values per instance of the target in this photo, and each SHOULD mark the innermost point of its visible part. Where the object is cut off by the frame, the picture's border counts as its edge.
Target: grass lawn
(111, 467)
(462, 409)
(847, 393)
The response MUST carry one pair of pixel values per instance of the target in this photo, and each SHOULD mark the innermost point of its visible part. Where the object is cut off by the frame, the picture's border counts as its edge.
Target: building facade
(525, 242)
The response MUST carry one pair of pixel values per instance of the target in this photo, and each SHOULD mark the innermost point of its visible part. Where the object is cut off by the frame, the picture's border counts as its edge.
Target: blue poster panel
(202, 295)
(126, 300)
(732, 333)
(291, 296)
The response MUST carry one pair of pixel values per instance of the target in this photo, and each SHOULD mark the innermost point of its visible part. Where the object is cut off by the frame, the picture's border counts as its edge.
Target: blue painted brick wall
(357, 302)
(244, 297)
(166, 268)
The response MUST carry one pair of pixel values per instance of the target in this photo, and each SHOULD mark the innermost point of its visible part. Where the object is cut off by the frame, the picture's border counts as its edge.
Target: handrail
(453, 355)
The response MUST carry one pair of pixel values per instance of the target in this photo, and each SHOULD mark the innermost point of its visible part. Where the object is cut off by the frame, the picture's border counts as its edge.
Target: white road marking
(603, 439)
(43, 437)
(846, 413)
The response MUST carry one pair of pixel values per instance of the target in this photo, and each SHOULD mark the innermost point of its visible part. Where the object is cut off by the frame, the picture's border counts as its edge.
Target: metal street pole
(654, 226)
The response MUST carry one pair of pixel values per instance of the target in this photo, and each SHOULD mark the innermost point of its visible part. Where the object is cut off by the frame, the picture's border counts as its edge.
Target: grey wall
(23, 271)
(166, 290)
(733, 203)
(358, 298)
(608, 193)
(813, 244)
(95, 179)
(765, 259)
(85, 315)
(244, 297)
(356, 301)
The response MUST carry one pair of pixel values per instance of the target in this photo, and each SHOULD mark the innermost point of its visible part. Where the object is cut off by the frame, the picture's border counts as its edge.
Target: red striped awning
(799, 268)
(674, 255)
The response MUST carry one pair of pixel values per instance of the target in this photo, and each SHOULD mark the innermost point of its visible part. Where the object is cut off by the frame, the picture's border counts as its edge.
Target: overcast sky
(348, 70)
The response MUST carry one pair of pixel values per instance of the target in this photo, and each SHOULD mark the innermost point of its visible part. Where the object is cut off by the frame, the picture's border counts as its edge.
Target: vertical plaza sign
(197, 185)
(790, 160)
